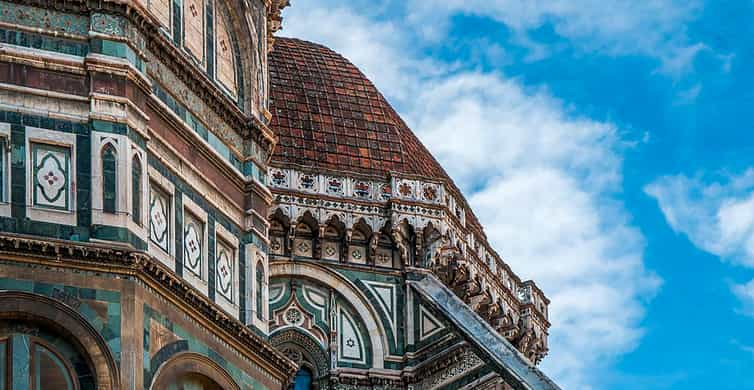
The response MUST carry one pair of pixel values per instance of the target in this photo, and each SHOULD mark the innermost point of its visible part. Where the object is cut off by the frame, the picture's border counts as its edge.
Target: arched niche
(332, 239)
(57, 318)
(303, 350)
(279, 229)
(366, 313)
(190, 368)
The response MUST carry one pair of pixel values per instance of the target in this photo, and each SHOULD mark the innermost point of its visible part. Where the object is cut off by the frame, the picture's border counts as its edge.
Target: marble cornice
(122, 260)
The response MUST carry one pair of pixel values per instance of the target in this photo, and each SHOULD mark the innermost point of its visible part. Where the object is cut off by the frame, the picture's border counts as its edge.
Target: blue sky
(606, 147)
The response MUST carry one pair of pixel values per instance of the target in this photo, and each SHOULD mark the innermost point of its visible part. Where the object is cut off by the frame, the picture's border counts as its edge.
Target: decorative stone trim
(195, 245)
(161, 218)
(227, 264)
(145, 267)
(51, 176)
(413, 201)
(5, 170)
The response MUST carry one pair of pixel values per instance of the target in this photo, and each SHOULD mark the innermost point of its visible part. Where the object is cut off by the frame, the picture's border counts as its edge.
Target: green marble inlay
(118, 233)
(20, 363)
(120, 50)
(109, 24)
(46, 19)
(86, 301)
(109, 179)
(3, 169)
(187, 343)
(191, 121)
(44, 42)
(251, 169)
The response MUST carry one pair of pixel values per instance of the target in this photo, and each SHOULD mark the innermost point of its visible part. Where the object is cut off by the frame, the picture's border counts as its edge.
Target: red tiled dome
(328, 116)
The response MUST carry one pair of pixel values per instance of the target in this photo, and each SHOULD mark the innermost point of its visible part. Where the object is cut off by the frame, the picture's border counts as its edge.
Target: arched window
(109, 179)
(42, 361)
(260, 291)
(136, 190)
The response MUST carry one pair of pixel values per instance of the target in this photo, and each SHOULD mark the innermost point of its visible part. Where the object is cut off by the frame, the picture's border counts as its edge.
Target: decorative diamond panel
(302, 247)
(224, 270)
(224, 56)
(193, 239)
(159, 219)
(330, 251)
(51, 176)
(193, 14)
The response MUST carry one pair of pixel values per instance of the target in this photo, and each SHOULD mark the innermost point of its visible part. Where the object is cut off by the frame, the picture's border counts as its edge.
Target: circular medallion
(293, 316)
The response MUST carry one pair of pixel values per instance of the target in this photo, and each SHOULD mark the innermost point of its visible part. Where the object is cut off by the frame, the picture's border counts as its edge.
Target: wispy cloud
(716, 215)
(655, 28)
(745, 294)
(542, 178)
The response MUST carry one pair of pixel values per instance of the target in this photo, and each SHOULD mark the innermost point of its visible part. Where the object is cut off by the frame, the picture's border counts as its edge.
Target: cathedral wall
(133, 144)
(143, 326)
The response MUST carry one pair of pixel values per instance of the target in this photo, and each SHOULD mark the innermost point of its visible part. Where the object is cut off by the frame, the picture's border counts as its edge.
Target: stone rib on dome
(328, 115)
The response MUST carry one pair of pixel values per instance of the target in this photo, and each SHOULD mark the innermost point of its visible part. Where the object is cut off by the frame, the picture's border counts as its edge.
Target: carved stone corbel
(374, 241)
(402, 246)
(346, 246)
(318, 241)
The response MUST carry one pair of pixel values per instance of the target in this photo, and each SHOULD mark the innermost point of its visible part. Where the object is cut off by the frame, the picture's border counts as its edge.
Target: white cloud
(655, 28)
(716, 216)
(745, 294)
(541, 178)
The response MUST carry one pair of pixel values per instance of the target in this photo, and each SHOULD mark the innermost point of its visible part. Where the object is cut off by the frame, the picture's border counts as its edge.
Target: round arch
(191, 363)
(23, 306)
(309, 351)
(365, 310)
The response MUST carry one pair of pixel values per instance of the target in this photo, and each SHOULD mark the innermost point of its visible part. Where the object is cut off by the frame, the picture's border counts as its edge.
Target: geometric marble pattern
(428, 324)
(357, 254)
(224, 269)
(51, 176)
(386, 300)
(159, 219)
(193, 237)
(350, 344)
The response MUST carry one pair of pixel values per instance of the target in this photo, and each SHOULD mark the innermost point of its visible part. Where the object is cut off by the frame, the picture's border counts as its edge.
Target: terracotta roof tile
(327, 114)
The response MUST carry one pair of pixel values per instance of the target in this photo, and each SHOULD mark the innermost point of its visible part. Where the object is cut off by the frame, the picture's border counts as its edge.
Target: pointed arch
(360, 302)
(136, 189)
(109, 158)
(260, 287)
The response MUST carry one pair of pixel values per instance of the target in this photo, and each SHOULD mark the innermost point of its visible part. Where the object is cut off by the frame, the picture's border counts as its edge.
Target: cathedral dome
(329, 116)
